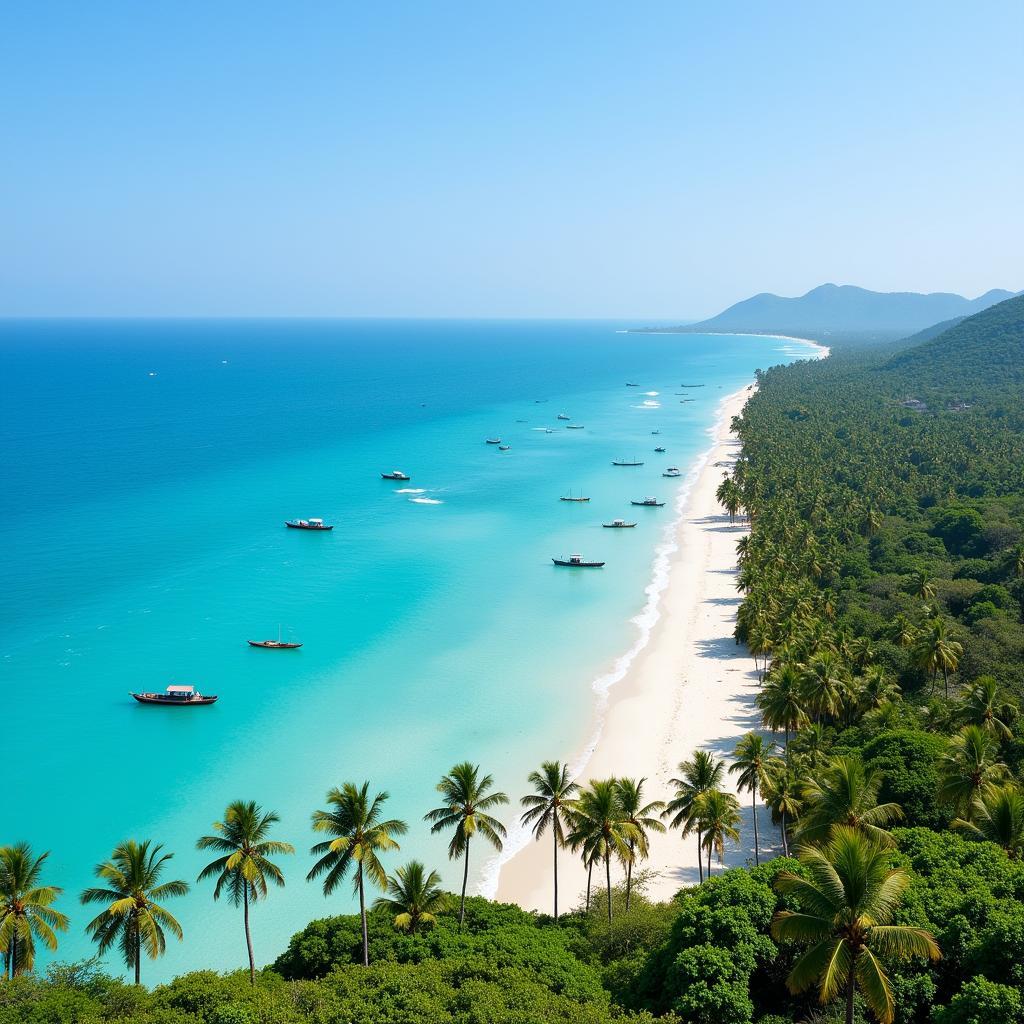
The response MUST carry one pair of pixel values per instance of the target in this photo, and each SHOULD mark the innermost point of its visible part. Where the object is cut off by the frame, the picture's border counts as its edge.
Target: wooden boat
(307, 524)
(618, 524)
(562, 416)
(574, 426)
(649, 503)
(573, 497)
(576, 562)
(274, 645)
(630, 384)
(504, 447)
(493, 440)
(691, 385)
(395, 474)
(673, 471)
(655, 431)
(626, 462)
(659, 449)
(176, 696)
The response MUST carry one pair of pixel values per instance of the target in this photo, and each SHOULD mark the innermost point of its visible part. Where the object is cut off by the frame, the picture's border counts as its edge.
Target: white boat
(649, 502)
(504, 447)
(562, 416)
(574, 426)
(672, 471)
(493, 440)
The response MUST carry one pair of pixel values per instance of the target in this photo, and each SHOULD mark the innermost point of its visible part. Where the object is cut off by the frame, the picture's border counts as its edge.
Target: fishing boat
(691, 385)
(673, 471)
(275, 645)
(626, 462)
(655, 431)
(630, 384)
(618, 524)
(649, 502)
(504, 447)
(493, 440)
(395, 474)
(574, 426)
(573, 497)
(176, 696)
(307, 524)
(576, 562)
(659, 449)
(562, 416)
(548, 430)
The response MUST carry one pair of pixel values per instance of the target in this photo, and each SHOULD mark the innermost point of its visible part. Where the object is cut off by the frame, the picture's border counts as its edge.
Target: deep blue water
(148, 467)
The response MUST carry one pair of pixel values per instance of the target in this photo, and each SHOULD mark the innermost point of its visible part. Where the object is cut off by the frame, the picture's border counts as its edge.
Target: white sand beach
(691, 686)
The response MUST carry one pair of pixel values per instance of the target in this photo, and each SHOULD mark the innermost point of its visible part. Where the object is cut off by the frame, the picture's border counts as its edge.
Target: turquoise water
(148, 469)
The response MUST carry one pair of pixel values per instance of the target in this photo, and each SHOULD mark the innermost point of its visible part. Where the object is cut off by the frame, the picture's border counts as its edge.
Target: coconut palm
(823, 681)
(26, 908)
(752, 759)
(781, 700)
(414, 897)
(922, 587)
(902, 631)
(846, 793)
(245, 865)
(969, 768)
(466, 802)
(548, 807)
(698, 775)
(934, 652)
(641, 817)
(601, 830)
(984, 705)
(998, 816)
(876, 689)
(360, 833)
(133, 917)
(846, 903)
(783, 794)
(719, 816)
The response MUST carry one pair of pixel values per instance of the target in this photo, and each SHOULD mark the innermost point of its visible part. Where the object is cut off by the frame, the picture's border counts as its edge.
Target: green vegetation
(882, 588)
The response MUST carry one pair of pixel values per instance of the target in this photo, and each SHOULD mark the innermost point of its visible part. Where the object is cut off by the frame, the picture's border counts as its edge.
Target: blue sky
(655, 160)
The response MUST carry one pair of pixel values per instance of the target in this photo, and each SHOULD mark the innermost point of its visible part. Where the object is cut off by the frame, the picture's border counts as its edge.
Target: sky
(655, 161)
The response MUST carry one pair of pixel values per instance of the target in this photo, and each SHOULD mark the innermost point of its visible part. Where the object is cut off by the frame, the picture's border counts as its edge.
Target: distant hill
(984, 351)
(930, 332)
(831, 311)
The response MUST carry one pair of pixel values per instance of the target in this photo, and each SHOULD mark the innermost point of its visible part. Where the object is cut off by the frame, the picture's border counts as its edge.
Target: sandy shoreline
(690, 686)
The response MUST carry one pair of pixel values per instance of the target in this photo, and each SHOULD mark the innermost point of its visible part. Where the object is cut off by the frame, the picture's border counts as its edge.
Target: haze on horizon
(543, 160)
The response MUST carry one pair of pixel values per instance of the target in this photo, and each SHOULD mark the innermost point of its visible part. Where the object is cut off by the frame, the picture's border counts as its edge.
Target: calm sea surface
(147, 470)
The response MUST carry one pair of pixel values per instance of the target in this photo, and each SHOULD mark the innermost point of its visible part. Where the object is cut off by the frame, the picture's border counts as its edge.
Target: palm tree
(361, 833)
(465, 807)
(781, 701)
(641, 817)
(902, 631)
(133, 917)
(414, 897)
(846, 793)
(26, 908)
(601, 830)
(549, 806)
(783, 794)
(824, 678)
(719, 815)
(922, 587)
(845, 905)
(245, 865)
(876, 690)
(934, 652)
(752, 759)
(998, 816)
(969, 768)
(984, 705)
(698, 775)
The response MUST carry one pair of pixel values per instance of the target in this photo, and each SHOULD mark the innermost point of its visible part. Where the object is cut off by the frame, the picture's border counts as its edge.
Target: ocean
(148, 468)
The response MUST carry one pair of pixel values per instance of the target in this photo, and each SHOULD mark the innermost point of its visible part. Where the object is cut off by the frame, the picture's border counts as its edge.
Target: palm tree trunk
(709, 859)
(554, 836)
(12, 955)
(590, 873)
(785, 838)
(753, 805)
(945, 681)
(362, 918)
(849, 999)
(248, 934)
(465, 881)
(700, 856)
(629, 871)
(608, 881)
(137, 943)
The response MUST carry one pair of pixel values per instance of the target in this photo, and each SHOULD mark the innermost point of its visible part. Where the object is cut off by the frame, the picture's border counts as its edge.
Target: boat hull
(566, 564)
(306, 526)
(648, 504)
(273, 645)
(173, 702)
(392, 476)
(618, 526)
(627, 463)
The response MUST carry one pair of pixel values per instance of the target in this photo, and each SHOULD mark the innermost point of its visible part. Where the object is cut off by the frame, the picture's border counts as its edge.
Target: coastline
(684, 684)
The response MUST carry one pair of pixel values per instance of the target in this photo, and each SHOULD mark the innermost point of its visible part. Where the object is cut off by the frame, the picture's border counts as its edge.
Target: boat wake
(520, 837)
(426, 501)
(411, 490)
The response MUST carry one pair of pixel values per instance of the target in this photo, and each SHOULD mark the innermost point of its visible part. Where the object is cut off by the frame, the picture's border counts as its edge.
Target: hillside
(846, 313)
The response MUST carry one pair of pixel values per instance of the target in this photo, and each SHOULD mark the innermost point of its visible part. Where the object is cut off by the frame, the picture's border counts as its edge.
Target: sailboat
(275, 645)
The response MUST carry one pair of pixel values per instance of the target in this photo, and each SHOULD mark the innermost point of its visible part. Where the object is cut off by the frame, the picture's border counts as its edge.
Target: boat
(626, 462)
(493, 440)
(395, 474)
(655, 431)
(176, 696)
(548, 430)
(618, 524)
(649, 502)
(672, 471)
(307, 524)
(574, 426)
(576, 562)
(659, 449)
(562, 416)
(571, 497)
(691, 385)
(504, 447)
(274, 645)
(630, 384)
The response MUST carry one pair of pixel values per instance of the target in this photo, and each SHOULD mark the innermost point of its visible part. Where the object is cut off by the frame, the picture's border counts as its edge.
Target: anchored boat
(618, 524)
(176, 696)
(307, 524)
(672, 471)
(649, 502)
(627, 462)
(576, 562)
(395, 474)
